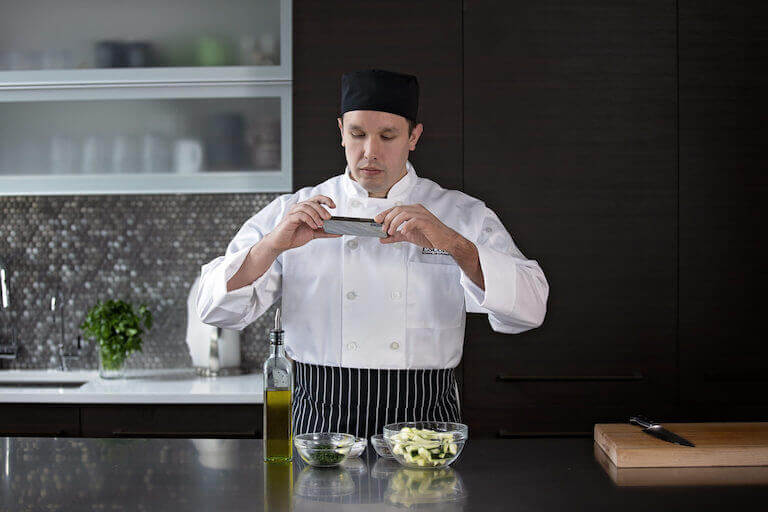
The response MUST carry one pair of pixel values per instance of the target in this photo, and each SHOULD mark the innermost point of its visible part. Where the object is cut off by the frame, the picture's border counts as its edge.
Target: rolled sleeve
(499, 277)
(238, 308)
(216, 275)
(516, 290)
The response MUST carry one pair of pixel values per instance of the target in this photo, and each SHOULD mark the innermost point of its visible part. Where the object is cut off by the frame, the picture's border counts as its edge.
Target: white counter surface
(162, 386)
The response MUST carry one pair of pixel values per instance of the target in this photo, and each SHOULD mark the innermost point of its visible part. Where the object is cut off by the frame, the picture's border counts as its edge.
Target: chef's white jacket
(354, 302)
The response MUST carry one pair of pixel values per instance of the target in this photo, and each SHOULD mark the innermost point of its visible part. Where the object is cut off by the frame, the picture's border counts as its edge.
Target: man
(375, 326)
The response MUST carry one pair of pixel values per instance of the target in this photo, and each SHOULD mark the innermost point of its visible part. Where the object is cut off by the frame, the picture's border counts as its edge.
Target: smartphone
(354, 226)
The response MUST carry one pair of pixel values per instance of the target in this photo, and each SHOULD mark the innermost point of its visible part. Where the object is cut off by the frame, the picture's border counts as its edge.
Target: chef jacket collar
(399, 191)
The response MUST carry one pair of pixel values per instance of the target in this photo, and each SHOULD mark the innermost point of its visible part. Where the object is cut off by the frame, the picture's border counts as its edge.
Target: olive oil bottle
(278, 396)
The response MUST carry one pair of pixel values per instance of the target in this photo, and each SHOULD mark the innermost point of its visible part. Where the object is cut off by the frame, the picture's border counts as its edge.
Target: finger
(306, 218)
(397, 237)
(319, 233)
(395, 222)
(386, 215)
(324, 200)
(324, 214)
(306, 208)
(381, 215)
(391, 215)
(410, 225)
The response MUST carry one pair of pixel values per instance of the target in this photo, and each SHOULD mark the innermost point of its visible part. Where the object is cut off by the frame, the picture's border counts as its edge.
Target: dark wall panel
(723, 193)
(332, 37)
(564, 119)
(569, 135)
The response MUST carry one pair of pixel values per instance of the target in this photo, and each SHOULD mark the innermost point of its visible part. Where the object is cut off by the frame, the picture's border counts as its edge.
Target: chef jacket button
(394, 345)
(351, 295)
(351, 345)
(352, 244)
(488, 230)
(395, 295)
(355, 203)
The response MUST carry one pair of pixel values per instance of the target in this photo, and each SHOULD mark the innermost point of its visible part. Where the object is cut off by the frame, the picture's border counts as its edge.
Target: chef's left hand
(419, 226)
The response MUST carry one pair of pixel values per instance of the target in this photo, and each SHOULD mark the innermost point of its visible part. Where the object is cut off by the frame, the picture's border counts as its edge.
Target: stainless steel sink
(44, 379)
(46, 384)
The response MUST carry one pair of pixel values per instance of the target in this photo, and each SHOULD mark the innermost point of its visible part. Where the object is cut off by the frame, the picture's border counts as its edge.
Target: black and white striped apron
(361, 401)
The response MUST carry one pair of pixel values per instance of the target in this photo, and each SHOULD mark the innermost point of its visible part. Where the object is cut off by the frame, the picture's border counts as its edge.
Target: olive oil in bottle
(278, 395)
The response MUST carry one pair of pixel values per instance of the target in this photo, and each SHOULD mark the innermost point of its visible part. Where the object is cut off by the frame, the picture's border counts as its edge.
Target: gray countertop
(551, 474)
(138, 386)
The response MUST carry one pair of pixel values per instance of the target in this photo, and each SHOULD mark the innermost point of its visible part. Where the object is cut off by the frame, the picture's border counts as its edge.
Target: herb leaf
(117, 329)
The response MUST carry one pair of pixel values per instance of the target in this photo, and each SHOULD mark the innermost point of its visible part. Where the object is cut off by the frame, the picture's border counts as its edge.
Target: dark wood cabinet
(723, 193)
(569, 135)
(39, 419)
(172, 420)
(513, 385)
(132, 420)
(621, 143)
(335, 36)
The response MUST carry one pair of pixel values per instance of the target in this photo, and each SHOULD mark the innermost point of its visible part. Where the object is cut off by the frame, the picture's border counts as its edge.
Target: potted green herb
(118, 330)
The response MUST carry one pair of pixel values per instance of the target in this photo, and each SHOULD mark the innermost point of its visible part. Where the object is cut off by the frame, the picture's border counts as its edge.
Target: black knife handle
(642, 421)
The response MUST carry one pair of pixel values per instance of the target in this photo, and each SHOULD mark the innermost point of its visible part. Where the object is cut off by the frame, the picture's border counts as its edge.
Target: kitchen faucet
(5, 300)
(63, 356)
(7, 350)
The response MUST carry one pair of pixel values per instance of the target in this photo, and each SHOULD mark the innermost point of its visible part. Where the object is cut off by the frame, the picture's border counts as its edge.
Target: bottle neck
(276, 350)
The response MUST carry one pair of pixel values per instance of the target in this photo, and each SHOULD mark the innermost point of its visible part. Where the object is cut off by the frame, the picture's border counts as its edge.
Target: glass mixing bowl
(426, 444)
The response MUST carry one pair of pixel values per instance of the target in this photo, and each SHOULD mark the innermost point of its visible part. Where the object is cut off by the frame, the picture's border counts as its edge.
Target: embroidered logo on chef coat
(426, 250)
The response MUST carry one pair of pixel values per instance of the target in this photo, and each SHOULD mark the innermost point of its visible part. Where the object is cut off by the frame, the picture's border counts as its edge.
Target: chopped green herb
(325, 454)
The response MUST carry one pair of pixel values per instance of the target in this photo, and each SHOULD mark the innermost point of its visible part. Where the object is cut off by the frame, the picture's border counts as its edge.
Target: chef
(375, 325)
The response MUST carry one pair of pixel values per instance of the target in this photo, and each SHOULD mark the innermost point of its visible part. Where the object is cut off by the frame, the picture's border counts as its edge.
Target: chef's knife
(656, 430)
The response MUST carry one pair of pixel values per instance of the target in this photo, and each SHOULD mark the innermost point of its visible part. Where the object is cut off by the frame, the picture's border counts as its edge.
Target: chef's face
(376, 145)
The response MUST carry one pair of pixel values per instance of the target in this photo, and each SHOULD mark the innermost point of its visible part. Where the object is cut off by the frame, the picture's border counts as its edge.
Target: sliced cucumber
(424, 447)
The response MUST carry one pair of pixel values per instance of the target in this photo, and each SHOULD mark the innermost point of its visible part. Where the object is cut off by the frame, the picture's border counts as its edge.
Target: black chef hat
(384, 91)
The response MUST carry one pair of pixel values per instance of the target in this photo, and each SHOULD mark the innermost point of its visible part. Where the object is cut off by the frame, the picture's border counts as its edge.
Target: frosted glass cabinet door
(221, 144)
(94, 34)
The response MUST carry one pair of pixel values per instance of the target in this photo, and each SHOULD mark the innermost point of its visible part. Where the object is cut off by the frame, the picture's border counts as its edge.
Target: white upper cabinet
(179, 96)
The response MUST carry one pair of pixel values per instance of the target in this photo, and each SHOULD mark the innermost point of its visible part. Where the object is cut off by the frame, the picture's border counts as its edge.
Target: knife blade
(656, 430)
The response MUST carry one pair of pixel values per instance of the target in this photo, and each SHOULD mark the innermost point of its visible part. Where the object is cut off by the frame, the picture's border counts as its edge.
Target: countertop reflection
(228, 474)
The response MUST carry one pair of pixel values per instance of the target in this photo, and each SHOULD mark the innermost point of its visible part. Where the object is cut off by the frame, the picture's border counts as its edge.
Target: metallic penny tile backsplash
(139, 248)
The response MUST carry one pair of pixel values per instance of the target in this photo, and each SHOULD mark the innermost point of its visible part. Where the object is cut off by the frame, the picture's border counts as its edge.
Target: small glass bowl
(458, 436)
(323, 449)
(380, 446)
(358, 448)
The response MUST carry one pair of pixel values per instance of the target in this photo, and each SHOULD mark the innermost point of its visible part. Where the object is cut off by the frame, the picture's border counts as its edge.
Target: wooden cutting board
(717, 444)
(675, 477)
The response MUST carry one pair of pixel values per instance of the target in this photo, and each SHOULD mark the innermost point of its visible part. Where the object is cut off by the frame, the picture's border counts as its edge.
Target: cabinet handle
(509, 434)
(568, 378)
(736, 376)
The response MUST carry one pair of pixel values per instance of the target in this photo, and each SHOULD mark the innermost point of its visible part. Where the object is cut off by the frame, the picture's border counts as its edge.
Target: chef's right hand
(304, 222)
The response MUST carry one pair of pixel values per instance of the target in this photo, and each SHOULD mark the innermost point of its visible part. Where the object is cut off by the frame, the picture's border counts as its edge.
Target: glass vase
(111, 369)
